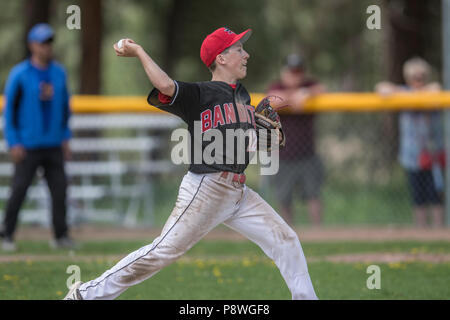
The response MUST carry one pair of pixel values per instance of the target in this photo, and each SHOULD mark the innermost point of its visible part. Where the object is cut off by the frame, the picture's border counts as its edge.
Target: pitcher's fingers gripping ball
(126, 48)
(268, 126)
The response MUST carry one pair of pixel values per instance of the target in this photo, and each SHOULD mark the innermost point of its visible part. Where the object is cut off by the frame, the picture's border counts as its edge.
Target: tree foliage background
(332, 35)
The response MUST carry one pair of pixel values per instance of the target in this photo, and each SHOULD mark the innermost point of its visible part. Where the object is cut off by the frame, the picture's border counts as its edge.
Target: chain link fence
(341, 170)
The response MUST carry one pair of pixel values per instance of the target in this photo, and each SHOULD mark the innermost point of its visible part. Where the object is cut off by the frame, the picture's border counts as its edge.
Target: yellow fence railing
(330, 102)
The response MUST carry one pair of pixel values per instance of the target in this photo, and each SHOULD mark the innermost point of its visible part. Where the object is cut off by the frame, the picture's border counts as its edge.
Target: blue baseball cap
(40, 33)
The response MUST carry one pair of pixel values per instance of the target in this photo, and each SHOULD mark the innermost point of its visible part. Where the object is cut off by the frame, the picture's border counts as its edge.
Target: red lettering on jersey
(230, 116)
(242, 111)
(206, 120)
(251, 109)
(218, 116)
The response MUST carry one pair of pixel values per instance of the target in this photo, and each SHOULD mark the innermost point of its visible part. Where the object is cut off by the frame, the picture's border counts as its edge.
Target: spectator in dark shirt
(301, 170)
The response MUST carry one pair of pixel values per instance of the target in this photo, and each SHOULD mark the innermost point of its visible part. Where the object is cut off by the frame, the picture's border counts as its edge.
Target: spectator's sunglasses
(49, 41)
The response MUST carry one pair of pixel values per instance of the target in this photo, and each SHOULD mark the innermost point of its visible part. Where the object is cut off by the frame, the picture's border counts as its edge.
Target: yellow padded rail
(330, 102)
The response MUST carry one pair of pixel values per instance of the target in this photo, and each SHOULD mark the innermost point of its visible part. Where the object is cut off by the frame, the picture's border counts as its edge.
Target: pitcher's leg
(195, 214)
(135, 268)
(259, 222)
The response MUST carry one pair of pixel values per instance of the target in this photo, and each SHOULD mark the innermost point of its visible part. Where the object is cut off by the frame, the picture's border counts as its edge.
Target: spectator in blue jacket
(36, 118)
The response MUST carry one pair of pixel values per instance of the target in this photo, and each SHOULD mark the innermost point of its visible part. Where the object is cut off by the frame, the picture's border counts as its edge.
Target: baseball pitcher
(212, 192)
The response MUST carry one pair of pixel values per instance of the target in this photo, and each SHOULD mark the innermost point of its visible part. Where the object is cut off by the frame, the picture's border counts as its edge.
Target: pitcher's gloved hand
(267, 119)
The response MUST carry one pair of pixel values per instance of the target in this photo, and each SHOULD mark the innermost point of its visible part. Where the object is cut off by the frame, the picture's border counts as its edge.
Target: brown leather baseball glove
(268, 127)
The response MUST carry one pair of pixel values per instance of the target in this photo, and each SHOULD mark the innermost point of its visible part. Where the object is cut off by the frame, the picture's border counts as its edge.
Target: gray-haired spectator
(421, 151)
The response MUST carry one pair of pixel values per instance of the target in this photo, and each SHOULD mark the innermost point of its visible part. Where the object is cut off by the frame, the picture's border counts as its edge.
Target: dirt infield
(381, 257)
(94, 233)
(378, 257)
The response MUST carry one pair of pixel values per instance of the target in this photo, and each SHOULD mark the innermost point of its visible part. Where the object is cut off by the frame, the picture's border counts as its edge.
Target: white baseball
(120, 43)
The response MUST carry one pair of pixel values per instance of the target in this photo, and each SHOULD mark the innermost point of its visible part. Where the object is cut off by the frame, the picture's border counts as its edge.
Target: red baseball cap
(218, 41)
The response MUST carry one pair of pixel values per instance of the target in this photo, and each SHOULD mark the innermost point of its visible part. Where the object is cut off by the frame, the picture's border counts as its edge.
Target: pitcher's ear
(220, 59)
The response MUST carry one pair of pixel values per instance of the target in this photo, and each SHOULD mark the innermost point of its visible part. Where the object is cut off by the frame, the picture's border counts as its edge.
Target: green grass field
(222, 269)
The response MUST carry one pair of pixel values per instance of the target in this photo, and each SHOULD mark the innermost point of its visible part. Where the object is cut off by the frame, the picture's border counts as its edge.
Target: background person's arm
(387, 88)
(13, 95)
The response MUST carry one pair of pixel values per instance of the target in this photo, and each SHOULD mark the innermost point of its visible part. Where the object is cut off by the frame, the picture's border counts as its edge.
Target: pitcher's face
(236, 60)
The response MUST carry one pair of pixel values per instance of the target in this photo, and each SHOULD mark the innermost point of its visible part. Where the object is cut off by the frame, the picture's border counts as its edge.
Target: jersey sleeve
(183, 103)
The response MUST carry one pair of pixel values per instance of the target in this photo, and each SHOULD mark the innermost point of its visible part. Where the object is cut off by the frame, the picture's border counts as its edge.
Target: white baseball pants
(205, 201)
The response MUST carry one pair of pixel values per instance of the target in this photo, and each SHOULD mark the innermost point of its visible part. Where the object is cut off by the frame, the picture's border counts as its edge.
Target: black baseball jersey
(220, 121)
